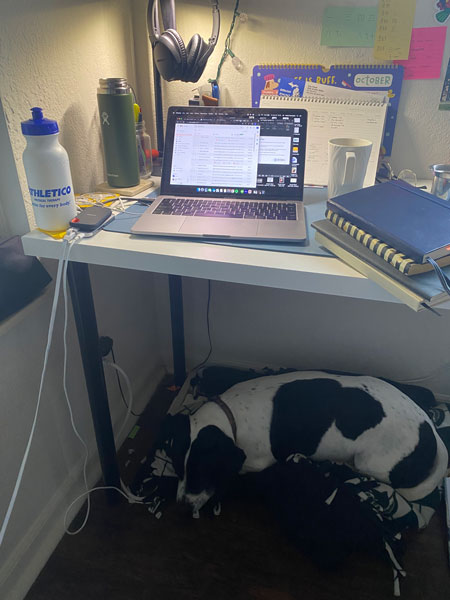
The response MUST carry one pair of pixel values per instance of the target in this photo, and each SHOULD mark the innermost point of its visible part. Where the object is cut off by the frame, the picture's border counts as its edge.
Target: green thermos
(115, 104)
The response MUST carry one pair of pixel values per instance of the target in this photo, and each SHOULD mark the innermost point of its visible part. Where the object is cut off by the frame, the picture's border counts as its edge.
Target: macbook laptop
(231, 173)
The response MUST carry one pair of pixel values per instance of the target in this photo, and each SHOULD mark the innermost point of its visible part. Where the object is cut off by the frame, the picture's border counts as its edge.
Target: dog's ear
(176, 436)
(233, 457)
(214, 441)
(215, 450)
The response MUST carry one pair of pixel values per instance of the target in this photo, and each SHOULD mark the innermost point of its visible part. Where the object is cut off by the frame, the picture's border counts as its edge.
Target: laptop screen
(222, 151)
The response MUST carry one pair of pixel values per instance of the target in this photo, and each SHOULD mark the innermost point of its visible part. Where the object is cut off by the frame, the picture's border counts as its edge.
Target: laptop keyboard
(231, 209)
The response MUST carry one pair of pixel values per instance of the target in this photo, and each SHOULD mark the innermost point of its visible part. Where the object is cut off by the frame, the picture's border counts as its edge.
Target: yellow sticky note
(394, 27)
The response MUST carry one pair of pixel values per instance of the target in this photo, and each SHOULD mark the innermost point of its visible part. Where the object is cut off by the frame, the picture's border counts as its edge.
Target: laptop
(231, 173)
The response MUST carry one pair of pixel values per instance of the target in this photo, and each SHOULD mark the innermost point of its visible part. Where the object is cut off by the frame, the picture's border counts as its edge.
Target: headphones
(172, 58)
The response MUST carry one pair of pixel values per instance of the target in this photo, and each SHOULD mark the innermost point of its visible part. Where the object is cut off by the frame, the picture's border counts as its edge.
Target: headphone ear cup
(170, 55)
(193, 50)
(196, 59)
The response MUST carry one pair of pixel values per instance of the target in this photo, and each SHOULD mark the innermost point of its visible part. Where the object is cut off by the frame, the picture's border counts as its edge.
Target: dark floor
(124, 553)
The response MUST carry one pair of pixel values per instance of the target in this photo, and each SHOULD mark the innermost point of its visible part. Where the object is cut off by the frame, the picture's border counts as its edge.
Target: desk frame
(87, 330)
(178, 258)
(86, 324)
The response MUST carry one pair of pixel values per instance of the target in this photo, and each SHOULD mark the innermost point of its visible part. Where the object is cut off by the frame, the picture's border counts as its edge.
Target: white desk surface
(298, 272)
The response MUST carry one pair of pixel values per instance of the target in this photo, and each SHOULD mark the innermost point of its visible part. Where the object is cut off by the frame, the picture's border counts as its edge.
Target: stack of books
(395, 234)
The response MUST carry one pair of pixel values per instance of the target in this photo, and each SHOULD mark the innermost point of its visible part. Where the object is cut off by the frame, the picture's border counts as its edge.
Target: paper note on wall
(394, 27)
(318, 90)
(349, 26)
(425, 53)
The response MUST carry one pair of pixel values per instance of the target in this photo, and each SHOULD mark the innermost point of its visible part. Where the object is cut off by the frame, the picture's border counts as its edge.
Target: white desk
(299, 272)
(178, 258)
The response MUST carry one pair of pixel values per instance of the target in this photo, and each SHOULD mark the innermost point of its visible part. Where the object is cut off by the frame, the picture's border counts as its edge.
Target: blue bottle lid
(38, 125)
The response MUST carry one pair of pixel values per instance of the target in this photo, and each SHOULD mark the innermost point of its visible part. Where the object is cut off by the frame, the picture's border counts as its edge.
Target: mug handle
(349, 170)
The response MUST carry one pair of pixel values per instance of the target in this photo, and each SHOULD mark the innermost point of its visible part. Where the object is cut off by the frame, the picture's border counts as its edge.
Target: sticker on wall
(443, 13)
(444, 103)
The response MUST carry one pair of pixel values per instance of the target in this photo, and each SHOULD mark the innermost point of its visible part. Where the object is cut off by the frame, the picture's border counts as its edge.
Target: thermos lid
(38, 125)
(441, 171)
(114, 85)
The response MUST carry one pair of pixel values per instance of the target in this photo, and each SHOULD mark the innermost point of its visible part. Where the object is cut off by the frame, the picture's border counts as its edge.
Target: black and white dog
(361, 421)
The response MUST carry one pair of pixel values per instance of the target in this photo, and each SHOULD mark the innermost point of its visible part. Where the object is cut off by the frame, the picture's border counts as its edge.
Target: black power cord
(205, 360)
(105, 345)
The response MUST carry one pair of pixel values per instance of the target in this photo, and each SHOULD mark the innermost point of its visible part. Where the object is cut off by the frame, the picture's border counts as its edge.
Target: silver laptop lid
(240, 152)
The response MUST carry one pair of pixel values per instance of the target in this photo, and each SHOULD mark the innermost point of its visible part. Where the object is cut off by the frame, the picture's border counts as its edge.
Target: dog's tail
(419, 473)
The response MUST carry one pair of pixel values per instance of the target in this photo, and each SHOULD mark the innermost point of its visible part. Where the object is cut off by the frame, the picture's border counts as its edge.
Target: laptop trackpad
(221, 227)
(157, 224)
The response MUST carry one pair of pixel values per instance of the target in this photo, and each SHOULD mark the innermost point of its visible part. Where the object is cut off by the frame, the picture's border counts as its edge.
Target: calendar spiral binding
(287, 66)
(275, 98)
(264, 66)
(377, 66)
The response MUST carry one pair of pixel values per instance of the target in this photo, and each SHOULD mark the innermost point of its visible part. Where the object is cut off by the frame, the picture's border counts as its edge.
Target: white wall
(259, 327)
(289, 32)
(13, 216)
(52, 54)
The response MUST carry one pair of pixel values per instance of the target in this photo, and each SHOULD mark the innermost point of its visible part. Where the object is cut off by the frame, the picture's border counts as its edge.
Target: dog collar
(218, 400)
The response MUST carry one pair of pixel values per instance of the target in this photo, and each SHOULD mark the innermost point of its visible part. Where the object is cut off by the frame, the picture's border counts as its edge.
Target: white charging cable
(71, 236)
(124, 491)
(117, 206)
(113, 365)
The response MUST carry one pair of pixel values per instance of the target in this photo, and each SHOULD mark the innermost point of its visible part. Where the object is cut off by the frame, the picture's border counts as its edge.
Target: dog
(361, 421)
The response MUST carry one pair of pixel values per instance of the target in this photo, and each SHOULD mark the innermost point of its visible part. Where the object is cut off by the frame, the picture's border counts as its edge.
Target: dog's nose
(181, 499)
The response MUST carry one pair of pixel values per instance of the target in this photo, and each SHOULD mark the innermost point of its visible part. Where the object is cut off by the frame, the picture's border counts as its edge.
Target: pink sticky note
(425, 53)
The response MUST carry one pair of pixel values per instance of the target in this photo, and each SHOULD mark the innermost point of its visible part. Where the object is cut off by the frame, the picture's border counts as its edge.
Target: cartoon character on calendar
(270, 85)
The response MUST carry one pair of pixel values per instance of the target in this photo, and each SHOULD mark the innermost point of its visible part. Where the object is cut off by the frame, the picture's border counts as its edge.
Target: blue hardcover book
(409, 219)
(421, 291)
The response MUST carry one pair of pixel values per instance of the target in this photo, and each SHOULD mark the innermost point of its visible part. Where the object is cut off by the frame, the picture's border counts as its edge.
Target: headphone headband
(216, 24)
(168, 14)
(169, 21)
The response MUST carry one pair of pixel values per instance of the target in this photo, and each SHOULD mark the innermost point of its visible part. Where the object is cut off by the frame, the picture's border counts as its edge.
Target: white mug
(347, 164)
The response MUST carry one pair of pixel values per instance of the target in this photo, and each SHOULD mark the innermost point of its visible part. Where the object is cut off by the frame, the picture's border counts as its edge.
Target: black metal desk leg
(86, 323)
(177, 322)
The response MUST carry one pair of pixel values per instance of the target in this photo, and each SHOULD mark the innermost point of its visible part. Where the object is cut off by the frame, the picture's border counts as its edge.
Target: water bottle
(48, 174)
(115, 104)
(144, 147)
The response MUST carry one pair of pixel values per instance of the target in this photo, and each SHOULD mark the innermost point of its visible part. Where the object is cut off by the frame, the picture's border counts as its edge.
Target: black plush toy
(321, 514)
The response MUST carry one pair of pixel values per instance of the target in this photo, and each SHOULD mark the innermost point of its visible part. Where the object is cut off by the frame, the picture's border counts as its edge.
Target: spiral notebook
(332, 118)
